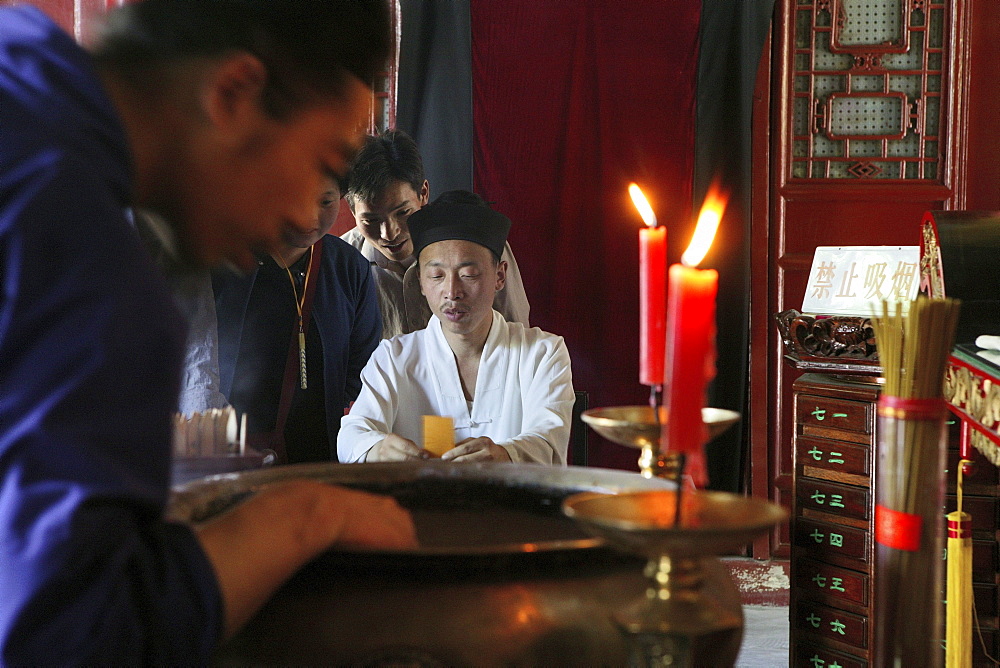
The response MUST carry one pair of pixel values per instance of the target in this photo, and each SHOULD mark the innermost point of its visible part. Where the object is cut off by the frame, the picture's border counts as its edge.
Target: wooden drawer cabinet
(990, 637)
(831, 460)
(808, 654)
(830, 584)
(982, 508)
(833, 583)
(985, 596)
(815, 496)
(834, 543)
(985, 561)
(983, 474)
(816, 414)
(815, 621)
(832, 508)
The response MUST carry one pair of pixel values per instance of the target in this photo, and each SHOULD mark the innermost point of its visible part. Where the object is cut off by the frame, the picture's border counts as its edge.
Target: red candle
(690, 346)
(652, 292)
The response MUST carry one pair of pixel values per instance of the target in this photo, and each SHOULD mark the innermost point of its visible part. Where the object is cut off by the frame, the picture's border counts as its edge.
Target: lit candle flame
(704, 231)
(642, 205)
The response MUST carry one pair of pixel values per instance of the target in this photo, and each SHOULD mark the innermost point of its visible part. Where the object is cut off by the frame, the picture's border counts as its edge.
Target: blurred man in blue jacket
(204, 113)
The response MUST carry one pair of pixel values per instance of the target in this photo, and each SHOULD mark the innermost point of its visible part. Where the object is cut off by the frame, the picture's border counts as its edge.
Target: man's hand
(481, 449)
(395, 448)
(257, 545)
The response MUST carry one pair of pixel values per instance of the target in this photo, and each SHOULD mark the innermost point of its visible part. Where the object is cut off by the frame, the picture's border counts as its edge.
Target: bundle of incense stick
(211, 433)
(913, 350)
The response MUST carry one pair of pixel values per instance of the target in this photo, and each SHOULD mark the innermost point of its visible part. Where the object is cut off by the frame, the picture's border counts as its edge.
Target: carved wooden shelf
(840, 344)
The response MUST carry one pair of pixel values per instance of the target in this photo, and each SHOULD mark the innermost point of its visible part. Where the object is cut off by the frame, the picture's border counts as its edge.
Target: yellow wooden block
(439, 434)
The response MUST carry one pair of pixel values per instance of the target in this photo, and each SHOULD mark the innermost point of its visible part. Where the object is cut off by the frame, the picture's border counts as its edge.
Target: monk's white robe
(523, 398)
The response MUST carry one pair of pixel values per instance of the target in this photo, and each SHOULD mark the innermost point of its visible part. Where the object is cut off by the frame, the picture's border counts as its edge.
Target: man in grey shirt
(192, 292)
(386, 185)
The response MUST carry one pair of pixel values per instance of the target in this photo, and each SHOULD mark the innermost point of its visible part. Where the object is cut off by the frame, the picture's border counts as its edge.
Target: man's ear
(501, 274)
(232, 92)
(425, 193)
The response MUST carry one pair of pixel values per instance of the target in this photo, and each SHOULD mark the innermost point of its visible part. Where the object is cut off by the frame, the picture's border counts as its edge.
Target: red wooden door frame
(968, 179)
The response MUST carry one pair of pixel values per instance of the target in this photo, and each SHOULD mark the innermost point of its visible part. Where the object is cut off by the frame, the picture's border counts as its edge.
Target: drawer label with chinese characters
(812, 411)
(829, 497)
(808, 655)
(832, 456)
(823, 539)
(818, 580)
(826, 622)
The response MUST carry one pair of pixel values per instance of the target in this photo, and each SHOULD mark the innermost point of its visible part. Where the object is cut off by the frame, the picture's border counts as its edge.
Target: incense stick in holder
(909, 498)
(909, 483)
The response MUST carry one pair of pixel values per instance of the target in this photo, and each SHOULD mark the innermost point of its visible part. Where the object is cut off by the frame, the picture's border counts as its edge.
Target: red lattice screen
(866, 83)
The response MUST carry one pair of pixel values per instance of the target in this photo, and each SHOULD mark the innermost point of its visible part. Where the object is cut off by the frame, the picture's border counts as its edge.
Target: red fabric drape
(572, 100)
(79, 18)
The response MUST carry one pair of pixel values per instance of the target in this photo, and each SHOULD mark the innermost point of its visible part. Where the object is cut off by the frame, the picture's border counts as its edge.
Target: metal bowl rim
(774, 515)
(597, 416)
(189, 499)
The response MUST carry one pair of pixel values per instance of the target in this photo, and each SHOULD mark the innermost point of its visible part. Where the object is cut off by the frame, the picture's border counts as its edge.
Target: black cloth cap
(462, 215)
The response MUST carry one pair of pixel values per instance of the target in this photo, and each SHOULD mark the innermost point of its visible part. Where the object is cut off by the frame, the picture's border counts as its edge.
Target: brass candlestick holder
(674, 611)
(637, 427)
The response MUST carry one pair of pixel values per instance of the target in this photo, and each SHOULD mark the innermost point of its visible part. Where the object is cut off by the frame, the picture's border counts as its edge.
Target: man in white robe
(508, 388)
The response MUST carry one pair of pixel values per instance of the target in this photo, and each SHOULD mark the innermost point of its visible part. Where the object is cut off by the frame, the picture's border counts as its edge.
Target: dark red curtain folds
(572, 100)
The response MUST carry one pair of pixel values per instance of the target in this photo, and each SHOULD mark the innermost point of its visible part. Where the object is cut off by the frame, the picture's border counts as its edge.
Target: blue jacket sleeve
(90, 352)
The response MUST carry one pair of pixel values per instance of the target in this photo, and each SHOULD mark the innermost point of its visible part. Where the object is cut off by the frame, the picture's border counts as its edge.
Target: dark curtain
(572, 100)
(434, 94)
(733, 33)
